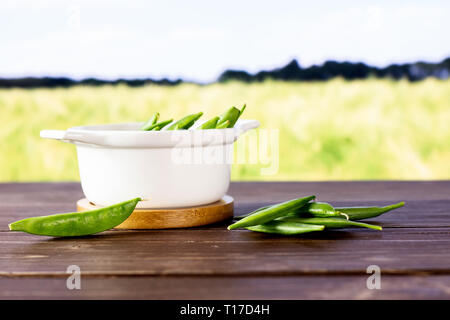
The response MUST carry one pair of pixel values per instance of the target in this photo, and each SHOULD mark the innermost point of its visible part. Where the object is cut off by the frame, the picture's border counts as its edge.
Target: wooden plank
(222, 252)
(39, 194)
(254, 192)
(234, 288)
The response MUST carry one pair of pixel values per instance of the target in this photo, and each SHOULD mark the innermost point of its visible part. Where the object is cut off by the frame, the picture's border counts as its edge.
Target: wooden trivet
(172, 218)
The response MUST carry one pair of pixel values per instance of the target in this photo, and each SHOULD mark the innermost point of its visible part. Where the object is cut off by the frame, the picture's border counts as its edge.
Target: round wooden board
(172, 218)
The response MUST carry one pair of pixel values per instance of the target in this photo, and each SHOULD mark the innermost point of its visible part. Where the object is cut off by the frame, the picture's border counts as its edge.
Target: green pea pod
(360, 213)
(285, 227)
(330, 223)
(271, 213)
(158, 126)
(242, 110)
(210, 124)
(223, 125)
(248, 214)
(320, 209)
(230, 115)
(190, 123)
(150, 122)
(77, 223)
(185, 123)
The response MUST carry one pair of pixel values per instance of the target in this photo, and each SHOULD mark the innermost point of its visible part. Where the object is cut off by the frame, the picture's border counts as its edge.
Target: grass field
(335, 130)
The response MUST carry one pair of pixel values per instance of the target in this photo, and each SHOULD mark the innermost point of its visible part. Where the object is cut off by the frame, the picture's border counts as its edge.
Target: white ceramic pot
(166, 169)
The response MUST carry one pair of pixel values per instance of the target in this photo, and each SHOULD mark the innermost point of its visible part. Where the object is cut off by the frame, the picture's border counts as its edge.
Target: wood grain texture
(222, 252)
(172, 218)
(413, 250)
(229, 288)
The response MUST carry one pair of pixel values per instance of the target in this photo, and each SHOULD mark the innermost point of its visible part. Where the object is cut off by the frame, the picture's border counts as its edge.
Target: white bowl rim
(128, 135)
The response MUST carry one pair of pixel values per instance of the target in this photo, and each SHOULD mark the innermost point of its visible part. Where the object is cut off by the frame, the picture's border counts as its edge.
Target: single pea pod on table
(329, 222)
(77, 223)
(316, 209)
(320, 209)
(265, 215)
(352, 213)
(361, 213)
(285, 227)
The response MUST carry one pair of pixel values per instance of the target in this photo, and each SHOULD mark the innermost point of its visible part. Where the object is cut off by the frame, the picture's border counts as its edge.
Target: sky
(198, 40)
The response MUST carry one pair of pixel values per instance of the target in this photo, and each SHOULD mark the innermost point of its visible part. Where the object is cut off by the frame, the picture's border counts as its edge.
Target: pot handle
(72, 137)
(53, 134)
(243, 126)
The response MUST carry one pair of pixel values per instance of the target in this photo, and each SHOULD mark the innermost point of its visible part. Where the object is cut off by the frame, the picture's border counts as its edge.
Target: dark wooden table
(413, 250)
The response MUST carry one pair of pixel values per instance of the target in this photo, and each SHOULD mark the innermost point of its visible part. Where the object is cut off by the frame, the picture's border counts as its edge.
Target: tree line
(290, 72)
(347, 70)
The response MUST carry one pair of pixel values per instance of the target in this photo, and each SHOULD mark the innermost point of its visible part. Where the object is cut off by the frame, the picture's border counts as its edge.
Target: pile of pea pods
(304, 215)
(226, 120)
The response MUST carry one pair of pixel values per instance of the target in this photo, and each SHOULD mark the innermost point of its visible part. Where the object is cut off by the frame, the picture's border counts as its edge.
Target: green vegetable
(77, 223)
(158, 126)
(223, 125)
(360, 213)
(242, 110)
(320, 209)
(285, 220)
(353, 213)
(285, 227)
(248, 214)
(185, 123)
(329, 223)
(231, 115)
(271, 213)
(226, 120)
(210, 124)
(150, 122)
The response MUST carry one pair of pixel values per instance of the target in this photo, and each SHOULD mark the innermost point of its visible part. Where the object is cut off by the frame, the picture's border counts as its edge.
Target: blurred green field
(335, 130)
